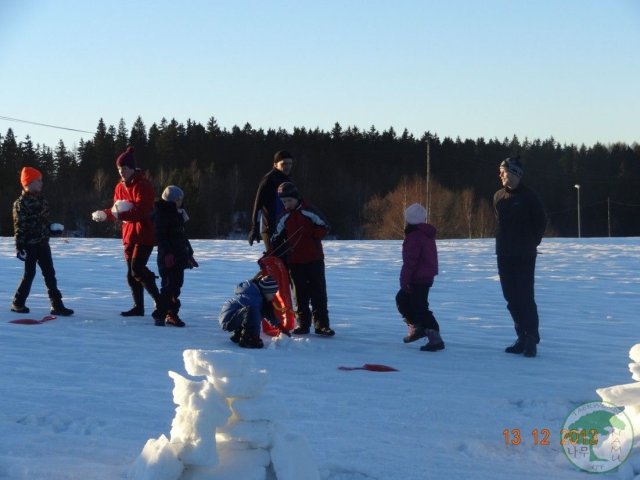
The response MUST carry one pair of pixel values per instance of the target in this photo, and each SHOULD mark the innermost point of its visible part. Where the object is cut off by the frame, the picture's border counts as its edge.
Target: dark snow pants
(414, 306)
(38, 254)
(517, 281)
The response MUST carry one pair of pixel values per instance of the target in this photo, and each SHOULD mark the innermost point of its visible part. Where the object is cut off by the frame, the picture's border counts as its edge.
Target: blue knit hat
(267, 284)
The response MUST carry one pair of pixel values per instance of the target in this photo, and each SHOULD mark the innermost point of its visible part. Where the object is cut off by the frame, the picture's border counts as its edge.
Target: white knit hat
(172, 194)
(415, 214)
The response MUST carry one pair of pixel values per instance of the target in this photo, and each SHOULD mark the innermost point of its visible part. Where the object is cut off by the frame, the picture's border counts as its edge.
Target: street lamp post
(577, 186)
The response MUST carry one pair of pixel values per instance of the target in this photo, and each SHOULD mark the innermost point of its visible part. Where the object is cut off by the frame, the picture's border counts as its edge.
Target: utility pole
(428, 179)
(609, 215)
(577, 187)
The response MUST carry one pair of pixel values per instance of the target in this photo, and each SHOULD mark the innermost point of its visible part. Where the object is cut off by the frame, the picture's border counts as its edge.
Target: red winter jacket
(419, 255)
(299, 233)
(137, 224)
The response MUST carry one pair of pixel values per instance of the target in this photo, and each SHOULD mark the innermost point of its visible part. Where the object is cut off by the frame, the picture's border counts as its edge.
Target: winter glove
(192, 263)
(184, 214)
(284, 330)
(98, 216)
(56, 228)
(21, 254)
(407, 288)
(169, 260)
(253, 237)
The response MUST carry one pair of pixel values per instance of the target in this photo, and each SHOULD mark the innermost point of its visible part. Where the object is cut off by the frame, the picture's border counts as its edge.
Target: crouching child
(243, 313)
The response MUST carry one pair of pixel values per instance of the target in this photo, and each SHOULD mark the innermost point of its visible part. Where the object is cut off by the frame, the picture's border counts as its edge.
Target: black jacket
(521, 221)
(170, 235)
(267, 201)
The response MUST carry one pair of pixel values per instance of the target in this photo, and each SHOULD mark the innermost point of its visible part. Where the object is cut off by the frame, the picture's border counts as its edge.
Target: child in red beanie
(32, 231)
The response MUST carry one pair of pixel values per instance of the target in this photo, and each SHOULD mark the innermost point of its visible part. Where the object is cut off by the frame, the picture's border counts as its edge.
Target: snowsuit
(172, 242)
(246, 309)
(267, 206)
(298, 238)
(31, 230)
(137, 235)
(419, 267)
(521, 225)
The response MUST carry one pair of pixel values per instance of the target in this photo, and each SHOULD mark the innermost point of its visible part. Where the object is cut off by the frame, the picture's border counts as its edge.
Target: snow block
(157, 461)
(217, 363)
(258, 434)
(621, 395)
(251, 384)
(288, 466)
(247, 465)
(634, 353)
(264, 408)
(634, 368)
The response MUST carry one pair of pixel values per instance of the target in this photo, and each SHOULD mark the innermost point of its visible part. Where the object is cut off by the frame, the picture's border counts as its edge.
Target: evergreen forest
(360, 179)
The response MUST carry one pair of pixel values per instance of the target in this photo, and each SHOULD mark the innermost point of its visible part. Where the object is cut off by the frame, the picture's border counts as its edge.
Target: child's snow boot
(416, 332)
(435, 342)
(19, 308)
(250, 340)
(173, 320)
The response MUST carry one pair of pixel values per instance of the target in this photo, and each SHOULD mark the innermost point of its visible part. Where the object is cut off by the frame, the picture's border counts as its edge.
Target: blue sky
(488, 68)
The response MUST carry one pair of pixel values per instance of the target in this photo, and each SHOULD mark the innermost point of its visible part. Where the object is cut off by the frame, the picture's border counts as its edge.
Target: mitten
(98, 216)
(253, 237)
(21, 254)
(169, 260)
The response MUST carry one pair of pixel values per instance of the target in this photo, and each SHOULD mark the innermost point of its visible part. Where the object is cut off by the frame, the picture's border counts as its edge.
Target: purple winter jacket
(419, 255)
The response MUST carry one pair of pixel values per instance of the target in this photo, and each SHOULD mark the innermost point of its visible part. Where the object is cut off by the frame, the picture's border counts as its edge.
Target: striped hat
(268, 285)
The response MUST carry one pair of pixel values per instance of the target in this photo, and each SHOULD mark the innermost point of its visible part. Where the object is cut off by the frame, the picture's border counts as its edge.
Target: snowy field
(82, 395)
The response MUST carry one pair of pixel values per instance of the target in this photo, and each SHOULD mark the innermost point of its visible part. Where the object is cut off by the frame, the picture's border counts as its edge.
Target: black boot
(435, 342)
(138, 302)
(58, 308)
(517, 347)
(530, 348)
(19, 308)
(303, 324)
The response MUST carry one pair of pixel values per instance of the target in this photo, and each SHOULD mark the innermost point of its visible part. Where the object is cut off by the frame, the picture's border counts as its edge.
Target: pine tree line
(360, 179)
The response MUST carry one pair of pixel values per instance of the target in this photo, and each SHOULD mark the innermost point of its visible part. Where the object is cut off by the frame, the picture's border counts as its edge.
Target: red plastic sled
(33, 321)
(282, 302)
(372, 367)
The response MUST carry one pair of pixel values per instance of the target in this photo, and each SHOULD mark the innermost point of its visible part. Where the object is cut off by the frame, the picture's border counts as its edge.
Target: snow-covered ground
(82, 395)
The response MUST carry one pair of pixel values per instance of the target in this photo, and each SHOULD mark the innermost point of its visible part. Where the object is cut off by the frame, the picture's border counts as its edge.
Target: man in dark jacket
(521, 225)
(267, 206)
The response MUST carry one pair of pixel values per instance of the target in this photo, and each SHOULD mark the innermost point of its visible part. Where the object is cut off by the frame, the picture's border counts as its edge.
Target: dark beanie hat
(281, 155)
(268, 285)
(289, 190)
(126, 159)
(513, 165)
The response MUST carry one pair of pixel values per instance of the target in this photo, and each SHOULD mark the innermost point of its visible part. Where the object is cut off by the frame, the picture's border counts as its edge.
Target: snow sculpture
(222, 429)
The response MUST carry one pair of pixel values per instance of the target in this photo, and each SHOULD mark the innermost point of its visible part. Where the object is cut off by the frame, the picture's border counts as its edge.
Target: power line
(11, 119)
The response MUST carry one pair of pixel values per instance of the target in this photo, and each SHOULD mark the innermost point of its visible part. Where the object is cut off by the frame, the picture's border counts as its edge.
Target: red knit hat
(126, 159)
(28, 175)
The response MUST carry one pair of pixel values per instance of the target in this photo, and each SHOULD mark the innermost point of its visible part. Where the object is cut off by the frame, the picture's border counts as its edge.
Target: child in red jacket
(419, 267)
(298, 240)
